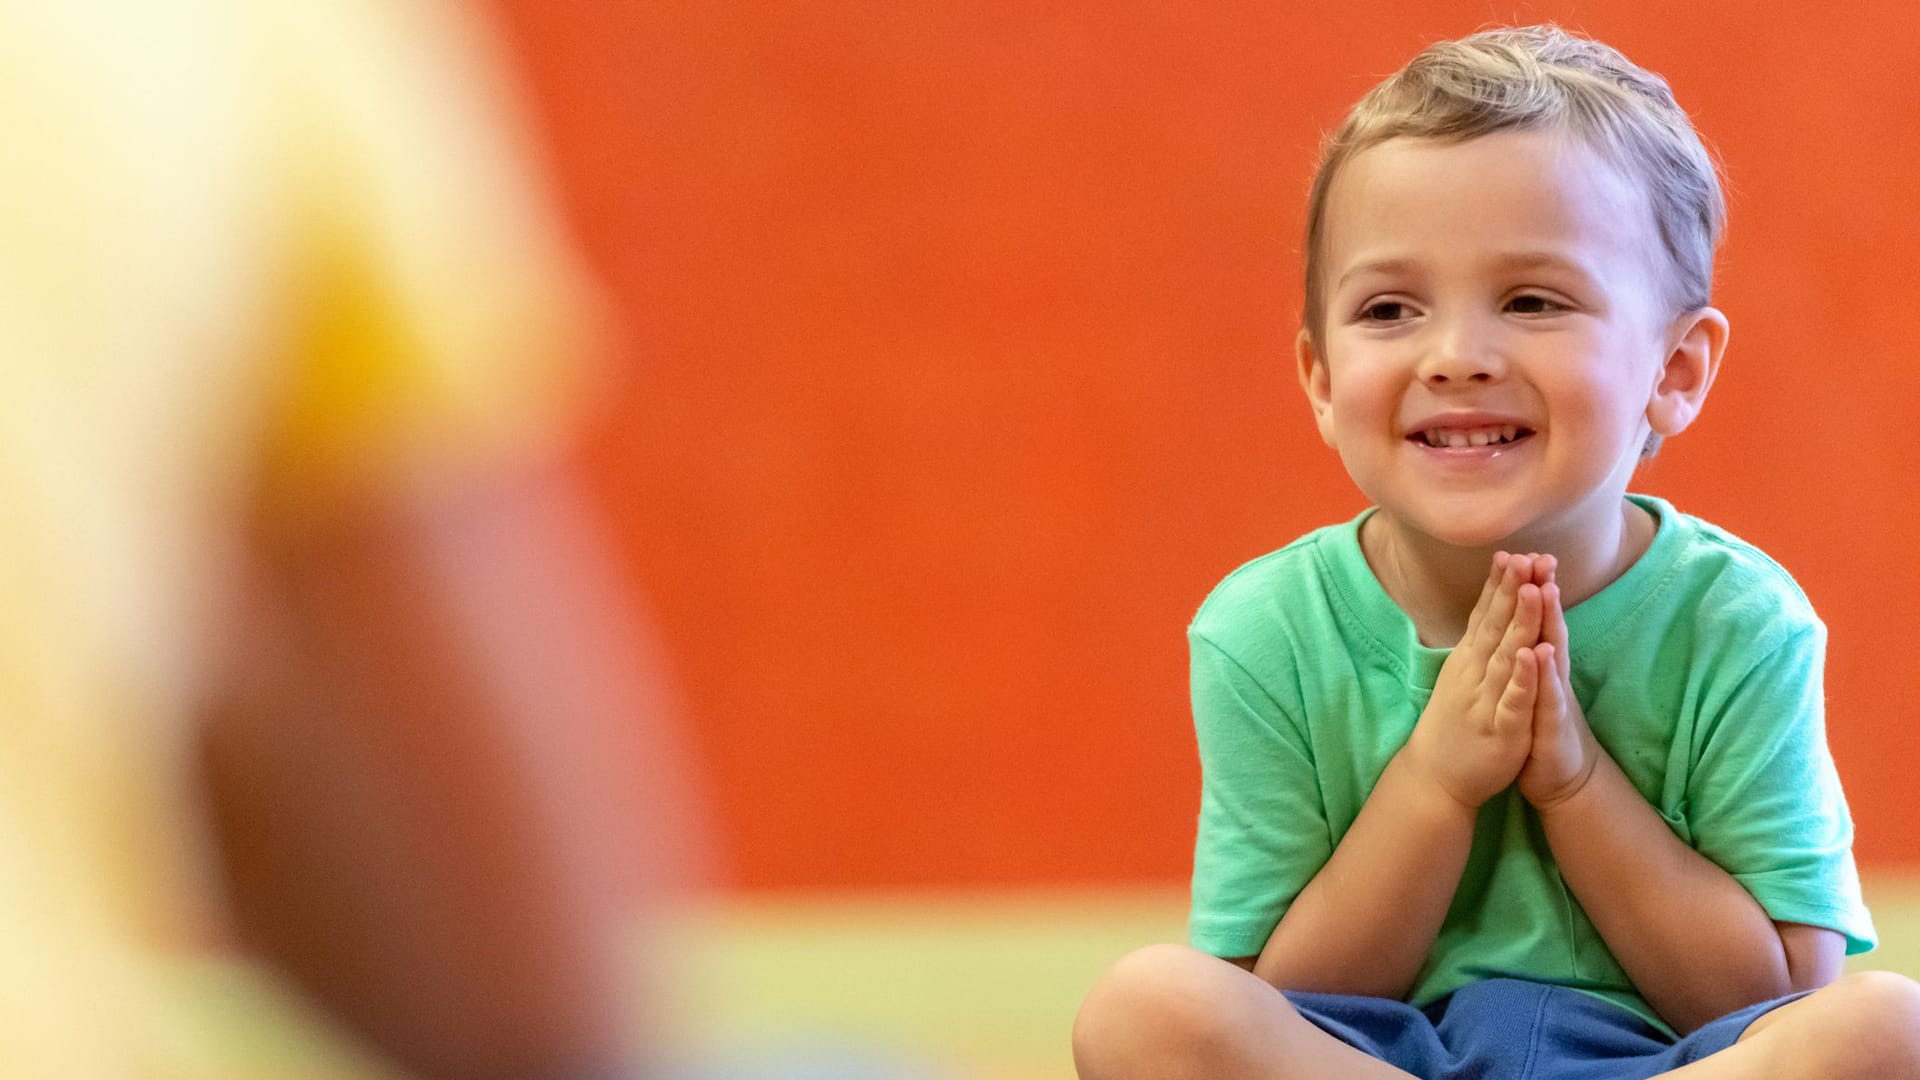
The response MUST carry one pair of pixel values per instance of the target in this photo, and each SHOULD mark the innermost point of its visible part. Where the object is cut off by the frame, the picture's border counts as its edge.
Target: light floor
(938, 987)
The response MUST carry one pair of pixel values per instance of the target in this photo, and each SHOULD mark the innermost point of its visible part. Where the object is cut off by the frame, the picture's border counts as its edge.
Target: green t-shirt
(1699, 671)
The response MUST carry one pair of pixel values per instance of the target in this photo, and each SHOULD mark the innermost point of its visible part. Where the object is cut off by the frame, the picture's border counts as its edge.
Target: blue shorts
(1506, 1029)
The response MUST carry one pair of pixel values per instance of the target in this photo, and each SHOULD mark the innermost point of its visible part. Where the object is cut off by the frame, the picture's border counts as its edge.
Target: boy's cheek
(1323, 419)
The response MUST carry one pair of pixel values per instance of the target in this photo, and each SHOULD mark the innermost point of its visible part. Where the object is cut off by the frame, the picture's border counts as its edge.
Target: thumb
(1547, 712)
(1518, 702)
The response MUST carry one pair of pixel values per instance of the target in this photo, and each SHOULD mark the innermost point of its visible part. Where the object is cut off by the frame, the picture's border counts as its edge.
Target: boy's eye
(1530, 304)
(1384, 311)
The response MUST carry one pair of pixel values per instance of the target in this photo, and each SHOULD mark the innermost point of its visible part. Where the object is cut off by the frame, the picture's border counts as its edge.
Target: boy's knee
(1156, 1006)
(1871, 1027)
(1156, 988)
(1885, 1011)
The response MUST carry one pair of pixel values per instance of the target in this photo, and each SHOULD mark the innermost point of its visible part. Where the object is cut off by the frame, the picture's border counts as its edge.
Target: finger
(1535, 566)
(1523, 569)
(1523, 630)
(1500, 608)
(1519, 702)
(1553, 629)
(1549, 702)
(1487, 589)
(1526, 561)
(1546, 569)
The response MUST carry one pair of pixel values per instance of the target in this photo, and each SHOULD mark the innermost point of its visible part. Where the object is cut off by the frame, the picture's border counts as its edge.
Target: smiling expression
(1495, 334)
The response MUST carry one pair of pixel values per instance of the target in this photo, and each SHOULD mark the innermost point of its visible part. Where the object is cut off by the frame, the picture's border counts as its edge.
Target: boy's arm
(1694, 941)
(1364, 924)
(1366, 921)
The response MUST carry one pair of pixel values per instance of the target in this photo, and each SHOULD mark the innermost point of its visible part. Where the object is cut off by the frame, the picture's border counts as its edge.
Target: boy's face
(1495, 340)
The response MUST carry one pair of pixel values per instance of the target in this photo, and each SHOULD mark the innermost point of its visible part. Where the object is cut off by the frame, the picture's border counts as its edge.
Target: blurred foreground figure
(305, 642)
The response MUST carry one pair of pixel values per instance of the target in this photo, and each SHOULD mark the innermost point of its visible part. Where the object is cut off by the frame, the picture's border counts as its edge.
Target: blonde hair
(1542, 77)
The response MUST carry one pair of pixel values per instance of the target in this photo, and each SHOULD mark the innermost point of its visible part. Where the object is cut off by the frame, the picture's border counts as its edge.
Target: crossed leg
(1167, 1012)
(1865, 1026)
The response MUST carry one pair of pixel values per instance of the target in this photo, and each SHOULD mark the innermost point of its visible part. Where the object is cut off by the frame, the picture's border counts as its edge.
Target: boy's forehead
(1511, 193)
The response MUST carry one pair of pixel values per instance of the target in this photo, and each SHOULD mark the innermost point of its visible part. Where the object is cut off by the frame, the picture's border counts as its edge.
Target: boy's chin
(1485, 527)
(1470, 532)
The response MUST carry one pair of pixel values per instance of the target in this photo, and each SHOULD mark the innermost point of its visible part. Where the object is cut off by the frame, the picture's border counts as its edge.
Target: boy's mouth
(1461, 438)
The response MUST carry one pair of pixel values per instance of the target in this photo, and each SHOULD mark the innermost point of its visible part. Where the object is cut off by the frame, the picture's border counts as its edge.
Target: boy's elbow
(1815, 955)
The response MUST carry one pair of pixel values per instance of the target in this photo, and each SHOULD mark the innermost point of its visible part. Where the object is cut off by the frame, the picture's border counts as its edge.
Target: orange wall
(957, 355)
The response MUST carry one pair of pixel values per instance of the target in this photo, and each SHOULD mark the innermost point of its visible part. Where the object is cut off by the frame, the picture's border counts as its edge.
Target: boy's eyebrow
(1535, 260)
(1379, 266)
(1516, 260)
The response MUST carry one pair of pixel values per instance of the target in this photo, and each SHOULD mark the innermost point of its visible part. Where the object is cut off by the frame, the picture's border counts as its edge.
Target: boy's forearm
(1695, 943)
(1365, 923)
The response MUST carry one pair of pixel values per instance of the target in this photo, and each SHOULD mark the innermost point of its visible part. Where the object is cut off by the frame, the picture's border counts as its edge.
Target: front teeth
(1478, 437)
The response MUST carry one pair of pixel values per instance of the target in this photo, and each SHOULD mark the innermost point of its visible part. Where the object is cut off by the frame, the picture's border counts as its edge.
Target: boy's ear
(1696, 343)
(1313, 379)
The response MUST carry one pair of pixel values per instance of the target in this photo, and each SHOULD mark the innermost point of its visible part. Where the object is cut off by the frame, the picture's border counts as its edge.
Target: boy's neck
(1437, 584)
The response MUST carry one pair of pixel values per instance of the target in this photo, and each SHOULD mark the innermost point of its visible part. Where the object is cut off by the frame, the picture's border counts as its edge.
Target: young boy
(1516, 774)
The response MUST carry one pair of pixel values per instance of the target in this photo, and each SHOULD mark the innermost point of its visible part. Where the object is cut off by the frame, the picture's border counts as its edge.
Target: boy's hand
(1564, 750)
(1473, 738)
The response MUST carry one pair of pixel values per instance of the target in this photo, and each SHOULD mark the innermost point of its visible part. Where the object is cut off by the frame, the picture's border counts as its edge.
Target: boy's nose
(1459, 352)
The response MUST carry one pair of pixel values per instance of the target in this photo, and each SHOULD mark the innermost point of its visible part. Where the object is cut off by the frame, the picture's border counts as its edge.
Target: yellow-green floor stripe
(978, 988)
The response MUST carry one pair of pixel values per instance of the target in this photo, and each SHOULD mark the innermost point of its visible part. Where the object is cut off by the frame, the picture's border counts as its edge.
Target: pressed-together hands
(1503, 710)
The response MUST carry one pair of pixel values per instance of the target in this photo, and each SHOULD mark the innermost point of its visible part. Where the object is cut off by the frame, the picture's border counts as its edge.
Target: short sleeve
(434, 315)
(1765, 801)
(1263, 832)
